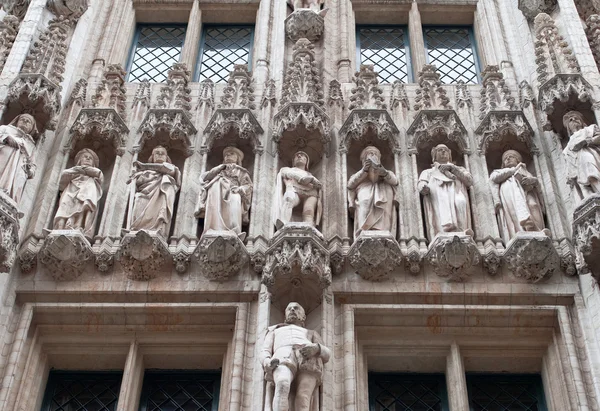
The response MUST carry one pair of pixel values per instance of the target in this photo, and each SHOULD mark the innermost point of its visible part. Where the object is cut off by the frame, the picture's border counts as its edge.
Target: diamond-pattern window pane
(223, 47)
(398, 392)
(82, 391)
(385, 48)
(505, 393)
(180, 392)
(156, 49)
(451, 50)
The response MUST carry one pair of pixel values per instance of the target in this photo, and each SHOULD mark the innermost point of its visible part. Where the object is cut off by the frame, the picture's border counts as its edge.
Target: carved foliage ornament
(143, 255)
(207, 94)
(336, 97)
(374, 255)
(359, 122)
(399, 98)
(110, 93)
(496, 125)
(452, 255)
(221, 255)
(241, 121)
(552, 52)
(104, 124)
(366, 93)
(269, 98)
(9, 27)
(302, 82)
(305, 23)
(17, 8)
(495, 94)
(143, 95)
(33, 89)
(239, 92)
(560, 88)
(79, 93)
(531, 256)
(463, 95)
(431, 94)
(65, 254)
(176, 94)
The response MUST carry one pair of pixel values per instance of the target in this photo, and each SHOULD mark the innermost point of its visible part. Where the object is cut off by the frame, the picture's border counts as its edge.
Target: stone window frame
(412, 377)
(534, 379)
(131, 337)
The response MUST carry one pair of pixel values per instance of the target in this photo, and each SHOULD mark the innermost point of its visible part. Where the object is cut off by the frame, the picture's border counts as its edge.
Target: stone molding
(143, 255)
(531, 256)
(65, 253)
(305, 23)
(221, 255)
(452, 255)
(9, 232)
(586, 233)
(431, 126)
(375, 255)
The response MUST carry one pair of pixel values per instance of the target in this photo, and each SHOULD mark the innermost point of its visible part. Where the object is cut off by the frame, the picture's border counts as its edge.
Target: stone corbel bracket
(32, 90)
(560, 88)
(568, 256)
(497, 124)
(9, 232)
(174, 122)
(429, 125)
(586, 233)
(305, 23)
(105, 253)
(143, 255)
(182, 253)
(105, 123)
(375, 255)
(338, 250)
(492, 256)
(531, 256)
(221, 255)
(240, 121)
(311, 116)
(65, 253)
(297, 257)
(413, 250)
(452, 255)
(361, 120)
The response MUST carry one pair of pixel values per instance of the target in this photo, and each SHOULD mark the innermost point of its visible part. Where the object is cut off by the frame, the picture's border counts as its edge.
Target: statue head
(232, 155)
(294, 314)
(371, 152)
(26, 123)
(573, 122)
(301, 160)
(511, 158)
(159, 155)
(87, 157)
(441, 154)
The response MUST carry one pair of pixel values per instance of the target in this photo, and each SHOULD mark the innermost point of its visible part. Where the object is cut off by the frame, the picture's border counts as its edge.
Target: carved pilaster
(452, 255)
(221, 255)
(78, 94)
(375, 255)
(143, 255)
(531, 256)
(586, 233)
(9, 232)
(65, 254)
(143, 95)
(431, 95)
(526, 95)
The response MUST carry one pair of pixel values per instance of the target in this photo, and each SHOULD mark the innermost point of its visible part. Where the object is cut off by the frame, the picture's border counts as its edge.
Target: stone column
(455, 380)
(261, 42)
(189, 53)
(418, 54)
(133, 376)
(344, 64)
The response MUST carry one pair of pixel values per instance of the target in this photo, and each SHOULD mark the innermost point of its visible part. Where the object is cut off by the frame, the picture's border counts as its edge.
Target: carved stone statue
(444, 189)
(225, 194)
(296, 186)
(293, 359)
(517, 196)
(371, 193)
(314, 5)
(81, 188)
(583, 154)
(156, 184)
(16, 155)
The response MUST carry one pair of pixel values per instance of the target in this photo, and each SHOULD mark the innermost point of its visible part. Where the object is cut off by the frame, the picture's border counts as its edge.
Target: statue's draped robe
(222, 209)
(293, 175)
(155, 197)
(373, 200)
(447, 204)
(520, 210)
(583, 165)
(79, 200)
(14, 160)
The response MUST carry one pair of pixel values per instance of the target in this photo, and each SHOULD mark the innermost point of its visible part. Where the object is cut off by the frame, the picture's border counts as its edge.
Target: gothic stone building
(440, 225)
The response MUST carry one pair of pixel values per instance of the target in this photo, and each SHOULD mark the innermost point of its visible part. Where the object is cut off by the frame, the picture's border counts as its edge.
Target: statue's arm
(423, 184)
(267, 348)
(67, 175)
(212, 173)
(391, 178)
(356, 179)
(463, 175)
(501, 175)
(324, 352)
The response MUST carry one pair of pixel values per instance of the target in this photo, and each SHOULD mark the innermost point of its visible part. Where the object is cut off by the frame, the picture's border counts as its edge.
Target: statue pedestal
(305, 23)
(452, 255)
(531, 255)
(586, 233)
(221, 254)
(374, 255)
(9, 232)
(65, 254)
(297, 265)
(143, 254)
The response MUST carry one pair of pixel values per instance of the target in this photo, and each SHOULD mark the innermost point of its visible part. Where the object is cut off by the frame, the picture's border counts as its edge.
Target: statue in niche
(372, 193)
(583, 154)
(314, 5)
(81, 187)
(156, 183)
(444, 189)
(293, 359)
(16, 155)
(296, 186)
(225, 195)
(517, 196)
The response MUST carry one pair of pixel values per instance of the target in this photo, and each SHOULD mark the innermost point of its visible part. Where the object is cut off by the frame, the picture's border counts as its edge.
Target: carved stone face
(511, 159)
(230, 157)
(160, 155)
(574, 124)
(26, 124)
(442, 154)
(86, 159)
(372, 154)
(300, 160)
(294, 313)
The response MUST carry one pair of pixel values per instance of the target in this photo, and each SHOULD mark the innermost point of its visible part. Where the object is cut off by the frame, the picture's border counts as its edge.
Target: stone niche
(9, 232)
(586, 234)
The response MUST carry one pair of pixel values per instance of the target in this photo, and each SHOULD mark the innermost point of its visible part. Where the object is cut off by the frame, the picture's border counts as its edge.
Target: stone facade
(402, 297)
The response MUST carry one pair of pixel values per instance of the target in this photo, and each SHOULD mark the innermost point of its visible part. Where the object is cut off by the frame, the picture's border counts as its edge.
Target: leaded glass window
(387, 49)
(452, 51)
(506, 393)
(83, 391)
(185, 391)
(221, 48)
(407, 392)
(156, 48)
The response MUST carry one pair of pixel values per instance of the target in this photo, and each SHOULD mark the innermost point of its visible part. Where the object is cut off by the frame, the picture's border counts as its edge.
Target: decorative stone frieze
(359, 122)
(375, 255)
(526, 95)
(495, 94)
(452, 255)
(17, 8)
(9, 232)
(221, 254)
(586, 233)
(143, 254)
(430, 125)
(102, 124)
(398, 97)
(68, 8)
(297, 257)
(531, 255)
(9, 27)
(463, 95)
(497, 124)
(531, 8)
(560, 88)
(269, 97)
(431, 94)
(336, 97)
(65, 254)
(552, 52)
(206, 98)
(305, 23)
